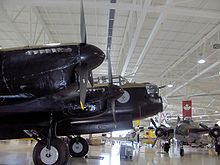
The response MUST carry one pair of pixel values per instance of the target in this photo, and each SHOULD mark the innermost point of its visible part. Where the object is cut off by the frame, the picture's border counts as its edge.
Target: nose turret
(91, 56)
(151, 106)
(148, 101)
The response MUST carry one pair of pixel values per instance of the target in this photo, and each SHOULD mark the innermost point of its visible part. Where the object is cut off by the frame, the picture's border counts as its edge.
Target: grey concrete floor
(20, 153)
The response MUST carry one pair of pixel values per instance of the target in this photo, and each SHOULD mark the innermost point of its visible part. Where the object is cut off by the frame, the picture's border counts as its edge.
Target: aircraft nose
(91, 55)
(153, 102)
(151, 106)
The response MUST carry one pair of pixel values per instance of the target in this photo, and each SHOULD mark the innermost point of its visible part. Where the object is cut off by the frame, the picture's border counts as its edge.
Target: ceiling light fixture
(201, 61)
(216, 46)
(170, 85)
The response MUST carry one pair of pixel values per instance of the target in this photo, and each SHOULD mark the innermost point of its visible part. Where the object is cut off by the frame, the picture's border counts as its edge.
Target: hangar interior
(156, 41)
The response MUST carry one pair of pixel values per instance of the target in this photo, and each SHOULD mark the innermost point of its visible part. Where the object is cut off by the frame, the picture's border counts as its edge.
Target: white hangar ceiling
(157, 41)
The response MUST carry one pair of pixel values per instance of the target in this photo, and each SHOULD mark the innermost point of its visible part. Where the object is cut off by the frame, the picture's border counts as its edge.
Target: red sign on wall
(187, 108)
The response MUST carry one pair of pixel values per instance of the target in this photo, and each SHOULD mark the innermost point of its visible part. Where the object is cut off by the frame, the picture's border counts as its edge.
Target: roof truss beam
(134, 40)
(187, 12)
(181, 11)
(193, 78)
(126, 40)
(76, 4)
(43, 24)
(148, 42)
(194, 48)
(13, 26)
(151, 38)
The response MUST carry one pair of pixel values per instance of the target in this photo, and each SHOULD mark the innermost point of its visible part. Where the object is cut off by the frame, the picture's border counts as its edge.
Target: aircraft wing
(23, 103)
(198, 130)
(41, 104)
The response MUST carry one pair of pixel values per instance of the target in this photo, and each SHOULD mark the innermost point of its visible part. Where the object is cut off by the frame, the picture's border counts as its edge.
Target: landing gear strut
(51, 150)
(181, 150)
(217, 148)
(78, 147)
(167, 147)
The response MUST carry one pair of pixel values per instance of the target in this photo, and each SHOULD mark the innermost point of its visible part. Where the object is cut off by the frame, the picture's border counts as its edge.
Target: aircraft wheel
(181, 152)
(57, 155)
(78, 147)
(166, 147)
(217, 149)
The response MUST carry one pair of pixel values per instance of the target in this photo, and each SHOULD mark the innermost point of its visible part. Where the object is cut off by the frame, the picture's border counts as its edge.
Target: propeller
(213, 131)
(85, 74)
(161, 131)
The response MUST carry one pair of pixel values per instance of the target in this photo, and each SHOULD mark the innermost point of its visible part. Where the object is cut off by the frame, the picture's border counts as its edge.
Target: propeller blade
(161, 87)
(204, 126)
(153, 122)
(178, 120)
(82, 24)
(176, 127)
(110, 79)
(154, 142)
(91, 80)
(83, 73)
(113, 110)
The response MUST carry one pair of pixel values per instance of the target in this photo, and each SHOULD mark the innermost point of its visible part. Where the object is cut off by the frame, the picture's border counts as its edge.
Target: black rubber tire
(166, 147)
(217, 149)
(83, 142)
(181, 152)
(56, 143)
